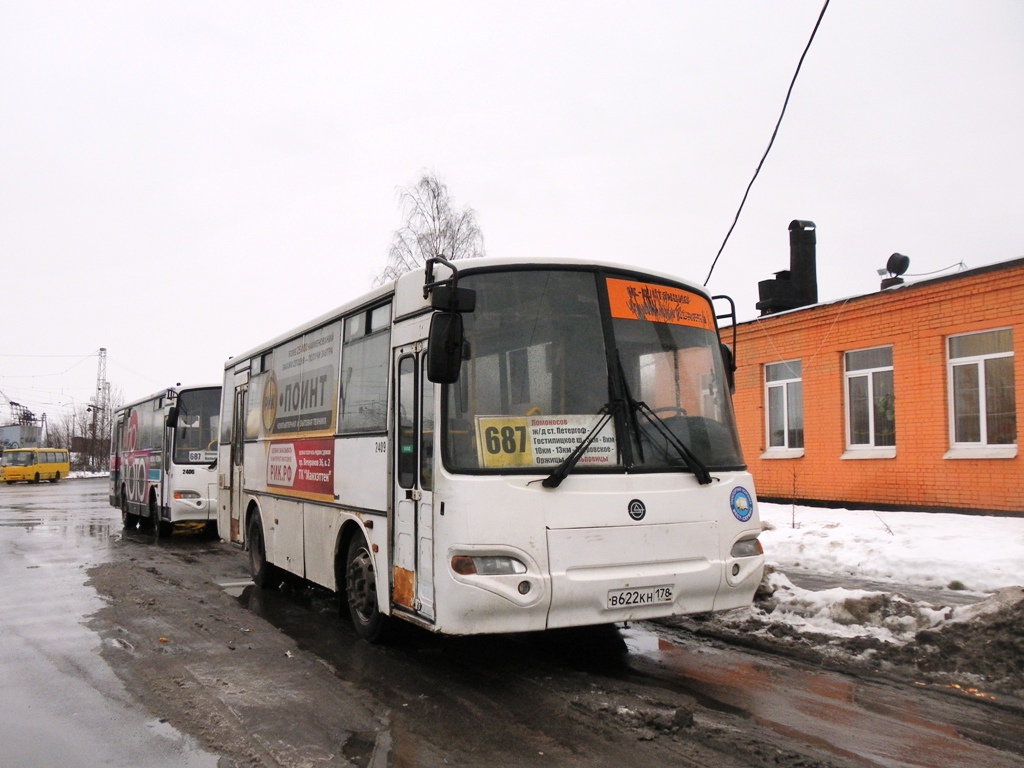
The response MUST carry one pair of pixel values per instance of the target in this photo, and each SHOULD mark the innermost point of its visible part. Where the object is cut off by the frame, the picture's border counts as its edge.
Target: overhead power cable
(960, 267)
(770, 143)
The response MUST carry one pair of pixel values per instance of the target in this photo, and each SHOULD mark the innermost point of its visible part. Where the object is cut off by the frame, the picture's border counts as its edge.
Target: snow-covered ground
(84, 475)
(947, 553)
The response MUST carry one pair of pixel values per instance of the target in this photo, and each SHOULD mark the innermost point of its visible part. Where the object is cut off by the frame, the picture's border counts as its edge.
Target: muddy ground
(279, 679)
(217, 667)
(983, 656)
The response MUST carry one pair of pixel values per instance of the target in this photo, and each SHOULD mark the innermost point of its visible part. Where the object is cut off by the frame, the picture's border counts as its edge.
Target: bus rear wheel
(264, 575)
(361, 592)
(55, 478)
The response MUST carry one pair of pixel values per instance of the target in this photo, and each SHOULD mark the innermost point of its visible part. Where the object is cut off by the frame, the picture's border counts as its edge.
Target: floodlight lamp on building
(896, 266)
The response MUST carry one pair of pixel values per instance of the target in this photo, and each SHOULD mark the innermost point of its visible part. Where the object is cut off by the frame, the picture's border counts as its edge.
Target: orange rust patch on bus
(402, 591)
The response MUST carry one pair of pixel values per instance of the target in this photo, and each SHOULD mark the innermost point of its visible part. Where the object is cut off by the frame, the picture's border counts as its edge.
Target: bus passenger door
(237, 466)
(115, 461)
(413, 545)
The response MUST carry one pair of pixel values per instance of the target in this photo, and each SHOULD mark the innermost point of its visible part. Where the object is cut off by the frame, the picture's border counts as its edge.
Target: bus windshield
(18, 458)
(195, 437)
(549, 352)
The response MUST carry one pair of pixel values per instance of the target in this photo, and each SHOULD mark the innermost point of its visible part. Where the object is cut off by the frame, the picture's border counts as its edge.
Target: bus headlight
(486, 566)
(747, 548)
(186, 495)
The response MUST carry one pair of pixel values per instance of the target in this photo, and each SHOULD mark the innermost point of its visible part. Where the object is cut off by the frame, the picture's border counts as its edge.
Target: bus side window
(426, 430)
(405, 436)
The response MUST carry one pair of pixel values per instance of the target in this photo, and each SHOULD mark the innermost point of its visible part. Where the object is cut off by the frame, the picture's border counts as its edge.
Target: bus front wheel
(127, 518)
(264, 575)
(361, 592)
(161, 529)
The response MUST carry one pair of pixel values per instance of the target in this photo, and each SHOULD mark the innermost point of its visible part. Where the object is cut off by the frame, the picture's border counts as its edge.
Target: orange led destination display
(631, 300)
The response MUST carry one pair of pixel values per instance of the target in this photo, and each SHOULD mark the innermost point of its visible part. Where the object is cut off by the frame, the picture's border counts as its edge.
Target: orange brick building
(909, 397)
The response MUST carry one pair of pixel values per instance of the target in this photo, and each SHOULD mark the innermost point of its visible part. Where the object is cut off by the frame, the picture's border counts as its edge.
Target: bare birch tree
(433, 227)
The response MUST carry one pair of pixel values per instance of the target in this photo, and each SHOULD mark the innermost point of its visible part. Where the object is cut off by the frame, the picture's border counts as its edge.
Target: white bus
(163, 453)
(513, 447)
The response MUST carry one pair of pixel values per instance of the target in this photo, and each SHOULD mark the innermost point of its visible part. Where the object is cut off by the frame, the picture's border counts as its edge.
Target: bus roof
(412, 297)
(175, 390)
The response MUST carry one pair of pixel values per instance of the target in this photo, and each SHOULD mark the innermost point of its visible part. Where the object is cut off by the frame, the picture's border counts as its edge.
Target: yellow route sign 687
(542, 441)
(504, 441)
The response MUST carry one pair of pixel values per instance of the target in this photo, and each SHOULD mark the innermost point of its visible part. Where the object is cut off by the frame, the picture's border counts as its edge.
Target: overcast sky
(181, 181)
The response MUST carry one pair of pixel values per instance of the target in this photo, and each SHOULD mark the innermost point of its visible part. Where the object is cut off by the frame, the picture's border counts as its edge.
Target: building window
(870, 404)
(982, 403)
(784, 405)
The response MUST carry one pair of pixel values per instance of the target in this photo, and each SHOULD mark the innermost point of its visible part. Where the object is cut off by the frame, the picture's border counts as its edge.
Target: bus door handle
(413, 494)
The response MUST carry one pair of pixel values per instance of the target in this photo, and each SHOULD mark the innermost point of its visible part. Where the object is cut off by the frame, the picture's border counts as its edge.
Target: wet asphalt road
(61, 704)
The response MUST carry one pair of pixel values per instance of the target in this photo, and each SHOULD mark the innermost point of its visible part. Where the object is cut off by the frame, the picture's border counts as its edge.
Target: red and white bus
(514, 446)
(163, 453)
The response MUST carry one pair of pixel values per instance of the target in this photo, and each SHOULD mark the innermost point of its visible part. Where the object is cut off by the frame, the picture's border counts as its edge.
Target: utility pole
(99, 404)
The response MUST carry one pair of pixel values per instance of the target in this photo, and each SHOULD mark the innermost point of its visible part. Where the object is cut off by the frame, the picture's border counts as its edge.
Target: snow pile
(927, 549)
(945, 553)
(843, 612)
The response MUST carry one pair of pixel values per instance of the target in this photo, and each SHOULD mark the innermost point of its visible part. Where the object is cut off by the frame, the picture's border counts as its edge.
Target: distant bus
(521, 445)
(163, 451)
(34, 464)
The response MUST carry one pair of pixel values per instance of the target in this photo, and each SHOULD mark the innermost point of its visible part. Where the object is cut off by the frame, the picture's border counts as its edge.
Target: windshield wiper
(692, 461)
(565, 466)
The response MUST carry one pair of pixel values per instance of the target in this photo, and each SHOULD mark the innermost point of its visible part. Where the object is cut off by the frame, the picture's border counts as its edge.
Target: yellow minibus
(34, 464)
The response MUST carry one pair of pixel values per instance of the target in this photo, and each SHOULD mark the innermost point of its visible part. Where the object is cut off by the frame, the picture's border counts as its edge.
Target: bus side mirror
(172, 417)
(453, 299)
(730, 367)
(444, 350)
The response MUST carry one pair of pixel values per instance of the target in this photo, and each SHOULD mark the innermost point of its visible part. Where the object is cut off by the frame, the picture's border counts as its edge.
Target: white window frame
(980, 449)
(785, 451)
(867, 450)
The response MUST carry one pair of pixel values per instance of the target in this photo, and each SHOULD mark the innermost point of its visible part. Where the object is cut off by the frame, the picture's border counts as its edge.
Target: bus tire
(36, 479)
(55, 478)
(361, 592)
(127, 518)
(264, 575)
(153, 521)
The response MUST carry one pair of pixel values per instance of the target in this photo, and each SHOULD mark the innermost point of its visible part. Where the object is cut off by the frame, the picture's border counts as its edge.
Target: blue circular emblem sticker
(637, 509)
(742, 504)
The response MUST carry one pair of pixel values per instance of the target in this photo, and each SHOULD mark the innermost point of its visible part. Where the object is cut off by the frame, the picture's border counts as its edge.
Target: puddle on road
(368, 750)
(878, 724)
(48, 538)
(235, 588)
(874, 725)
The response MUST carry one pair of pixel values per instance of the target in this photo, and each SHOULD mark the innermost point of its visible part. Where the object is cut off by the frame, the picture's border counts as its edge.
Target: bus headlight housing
(503, 565)
(747, 548)
(186, 495)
